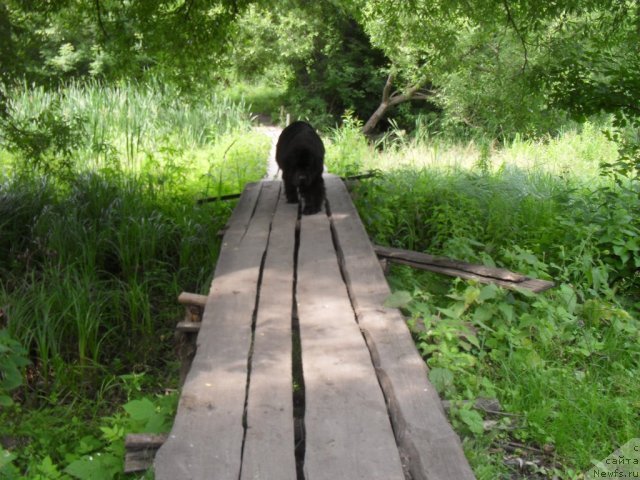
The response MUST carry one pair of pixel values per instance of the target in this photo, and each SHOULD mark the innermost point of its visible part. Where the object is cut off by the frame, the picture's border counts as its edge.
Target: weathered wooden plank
(241, 216)
(144, 441)
(188, 327)
(188, 298)
(140, 450)
(231, 196)
(534, 284)
(206, 439)
(348, 432)
(425, 438)
(426, 259)
(138, 460)
(269, 443)
(456, 268)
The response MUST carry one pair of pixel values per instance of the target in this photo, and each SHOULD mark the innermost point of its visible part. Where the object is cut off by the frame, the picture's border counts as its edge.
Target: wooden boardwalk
(300, 372)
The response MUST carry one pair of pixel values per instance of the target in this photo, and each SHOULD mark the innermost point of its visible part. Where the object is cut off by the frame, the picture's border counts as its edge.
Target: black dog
(300, 156)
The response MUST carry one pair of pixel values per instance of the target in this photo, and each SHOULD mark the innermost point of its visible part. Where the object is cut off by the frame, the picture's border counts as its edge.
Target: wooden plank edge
(430, 451)
(360, 176)
(242, 214)
(536, 285)
(188, 327)
(533, 284)
(141, 450)
(175, 455)
(392, 254)
(187, 298)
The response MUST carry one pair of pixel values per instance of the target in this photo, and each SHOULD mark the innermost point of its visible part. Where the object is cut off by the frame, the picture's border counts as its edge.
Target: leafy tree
(599, 71)
(494, 66)
(318, 50)
(58, 39)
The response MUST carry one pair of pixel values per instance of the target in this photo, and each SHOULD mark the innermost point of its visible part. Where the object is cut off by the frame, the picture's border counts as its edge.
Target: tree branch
(387, 88)
(391, 99)
(518, 33)
(99, 14)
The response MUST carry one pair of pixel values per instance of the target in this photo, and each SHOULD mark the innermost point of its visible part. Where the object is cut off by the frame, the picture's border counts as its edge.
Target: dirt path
(273, 132)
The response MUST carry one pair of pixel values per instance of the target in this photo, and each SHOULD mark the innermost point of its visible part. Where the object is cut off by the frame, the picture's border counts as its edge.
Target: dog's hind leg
(313, 196)
(290, 190)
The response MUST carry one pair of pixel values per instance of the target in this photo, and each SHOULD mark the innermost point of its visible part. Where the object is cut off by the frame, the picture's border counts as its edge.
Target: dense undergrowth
(100, 232)
(563, 364)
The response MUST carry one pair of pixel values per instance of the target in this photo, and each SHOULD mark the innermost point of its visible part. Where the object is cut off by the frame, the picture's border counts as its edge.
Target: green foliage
(559, 362)
(513, 67)
(45, 141)
(100, 231)
(101, 259)
(101, 125)
(270, 38)
(343, 71)
(92, 257)
(102, 457)
(264, 97)
(318, 51)
(76, 449)
(346, 147)
(50, 41)
(13, 359)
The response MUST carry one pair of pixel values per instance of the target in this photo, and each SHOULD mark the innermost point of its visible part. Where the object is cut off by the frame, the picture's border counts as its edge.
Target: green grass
(100, 232)
(562, 363)
(264, 97)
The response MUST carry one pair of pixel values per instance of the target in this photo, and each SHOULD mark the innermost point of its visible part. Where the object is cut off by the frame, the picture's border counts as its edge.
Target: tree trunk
(375, 118)
(392, 99)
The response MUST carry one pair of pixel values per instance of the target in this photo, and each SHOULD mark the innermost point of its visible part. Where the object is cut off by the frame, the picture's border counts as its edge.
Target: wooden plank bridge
(300, 372)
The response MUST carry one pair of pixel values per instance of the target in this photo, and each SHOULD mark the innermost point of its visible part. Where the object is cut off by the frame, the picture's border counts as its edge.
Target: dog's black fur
(300, 156)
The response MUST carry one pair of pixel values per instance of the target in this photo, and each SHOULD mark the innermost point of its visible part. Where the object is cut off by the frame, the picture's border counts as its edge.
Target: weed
(559, 362)
(93, 256)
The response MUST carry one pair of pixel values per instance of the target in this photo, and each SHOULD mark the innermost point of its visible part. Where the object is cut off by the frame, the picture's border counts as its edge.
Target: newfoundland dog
(300, 156)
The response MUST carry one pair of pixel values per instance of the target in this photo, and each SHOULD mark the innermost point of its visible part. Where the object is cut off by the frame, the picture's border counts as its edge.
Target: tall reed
(92, 258)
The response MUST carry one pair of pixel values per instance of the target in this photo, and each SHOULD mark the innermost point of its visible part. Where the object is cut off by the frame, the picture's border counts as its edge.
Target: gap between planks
(423, 434)
(215, 388)
(413, 405)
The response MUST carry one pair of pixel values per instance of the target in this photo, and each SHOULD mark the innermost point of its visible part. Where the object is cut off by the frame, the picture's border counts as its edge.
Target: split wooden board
(348, 431)
(208, 433)
(369, 409)
(468, 271)
(430, 447)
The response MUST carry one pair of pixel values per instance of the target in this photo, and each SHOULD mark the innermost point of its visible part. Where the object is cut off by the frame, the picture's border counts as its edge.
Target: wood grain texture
(469, 271)
(188, 298)
(431, 447)
(417, 257)
(188, 327)
(206, 439)
(370, 411)
(140, 450)
(269, 445)
(348, 431)
(144, 441)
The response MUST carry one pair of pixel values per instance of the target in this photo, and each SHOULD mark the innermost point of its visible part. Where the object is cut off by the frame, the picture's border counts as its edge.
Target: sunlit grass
(572, 153)
(558, 362)
(95, 249)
